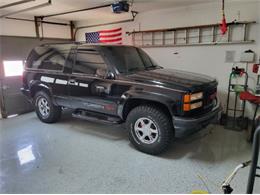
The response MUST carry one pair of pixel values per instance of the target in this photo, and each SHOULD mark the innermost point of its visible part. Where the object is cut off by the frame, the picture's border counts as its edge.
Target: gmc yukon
(117, 84)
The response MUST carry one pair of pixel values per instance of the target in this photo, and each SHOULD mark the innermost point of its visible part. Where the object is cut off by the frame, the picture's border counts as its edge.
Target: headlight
(192, 97)
(195, 105)
(188, 107)
(189, 98)
(196, 96)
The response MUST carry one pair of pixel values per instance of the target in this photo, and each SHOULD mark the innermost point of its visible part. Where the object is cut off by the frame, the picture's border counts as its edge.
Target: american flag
(112, 36)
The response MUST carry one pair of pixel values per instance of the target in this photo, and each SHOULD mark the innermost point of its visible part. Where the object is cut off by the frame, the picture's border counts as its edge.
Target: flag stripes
(112, 36)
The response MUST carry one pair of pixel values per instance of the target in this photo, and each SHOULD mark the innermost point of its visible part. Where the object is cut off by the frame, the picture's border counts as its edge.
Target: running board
(96, 117)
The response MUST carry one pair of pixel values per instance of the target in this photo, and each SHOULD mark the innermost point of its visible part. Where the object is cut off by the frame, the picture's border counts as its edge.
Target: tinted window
(48, 57)
(88, 61)
(128, 59)
(146, 59)
(70, 61)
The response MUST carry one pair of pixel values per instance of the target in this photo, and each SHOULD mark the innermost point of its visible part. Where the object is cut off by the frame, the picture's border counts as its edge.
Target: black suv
(116, 84)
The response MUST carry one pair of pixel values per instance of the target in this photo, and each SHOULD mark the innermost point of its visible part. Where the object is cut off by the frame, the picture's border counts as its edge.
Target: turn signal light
(186, 98)
(186, 107)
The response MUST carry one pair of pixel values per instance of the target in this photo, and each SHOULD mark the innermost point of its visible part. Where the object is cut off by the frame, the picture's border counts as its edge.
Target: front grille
(209, 97)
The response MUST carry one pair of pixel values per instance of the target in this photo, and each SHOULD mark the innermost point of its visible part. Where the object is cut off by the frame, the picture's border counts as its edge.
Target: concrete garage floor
(76, 156)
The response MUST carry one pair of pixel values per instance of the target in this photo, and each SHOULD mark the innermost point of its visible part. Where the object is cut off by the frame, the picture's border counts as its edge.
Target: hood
(175, 79)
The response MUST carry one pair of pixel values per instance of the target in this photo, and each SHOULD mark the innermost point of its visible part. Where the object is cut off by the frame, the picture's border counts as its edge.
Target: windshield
(129, 59)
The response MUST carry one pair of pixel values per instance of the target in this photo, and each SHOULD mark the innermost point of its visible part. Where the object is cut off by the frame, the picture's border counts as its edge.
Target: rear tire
(150, 129)
(46, 111)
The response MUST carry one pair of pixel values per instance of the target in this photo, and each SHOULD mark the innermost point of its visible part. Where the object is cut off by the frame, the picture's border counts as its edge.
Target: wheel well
(131, 104)
(35, 89)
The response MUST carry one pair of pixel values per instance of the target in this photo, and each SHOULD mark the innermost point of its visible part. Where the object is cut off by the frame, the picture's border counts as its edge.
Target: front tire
(150, 129)
(46, 111)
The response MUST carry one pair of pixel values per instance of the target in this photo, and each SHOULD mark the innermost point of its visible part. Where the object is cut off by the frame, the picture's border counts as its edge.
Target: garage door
(13, 102)
(13, 53)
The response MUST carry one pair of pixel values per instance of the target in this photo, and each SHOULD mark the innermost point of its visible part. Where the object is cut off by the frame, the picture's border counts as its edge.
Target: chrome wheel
(146, 130)
(44, 107)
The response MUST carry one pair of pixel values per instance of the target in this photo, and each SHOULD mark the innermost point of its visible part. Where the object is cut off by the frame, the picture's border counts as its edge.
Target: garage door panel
(14, 101)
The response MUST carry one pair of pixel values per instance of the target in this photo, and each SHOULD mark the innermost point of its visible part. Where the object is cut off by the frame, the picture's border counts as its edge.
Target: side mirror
(110, 75)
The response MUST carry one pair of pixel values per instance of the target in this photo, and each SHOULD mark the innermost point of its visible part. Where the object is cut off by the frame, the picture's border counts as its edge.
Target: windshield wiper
(151, 67)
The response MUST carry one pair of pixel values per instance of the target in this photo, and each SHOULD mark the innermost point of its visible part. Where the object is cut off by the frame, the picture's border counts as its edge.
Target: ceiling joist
(15, 3)
(76, 11)
(42, 21)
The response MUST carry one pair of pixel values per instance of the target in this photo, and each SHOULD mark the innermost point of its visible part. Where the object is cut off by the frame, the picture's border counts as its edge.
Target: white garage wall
(258, 32)
(27, 29)
(208, 60)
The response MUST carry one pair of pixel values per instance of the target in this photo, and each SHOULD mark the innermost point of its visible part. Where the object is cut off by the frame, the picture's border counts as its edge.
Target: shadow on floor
(212, 144)
(107, 131)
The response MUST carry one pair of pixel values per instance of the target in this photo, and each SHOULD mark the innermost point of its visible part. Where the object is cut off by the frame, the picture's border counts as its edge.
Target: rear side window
(49, 57)
(88, 61)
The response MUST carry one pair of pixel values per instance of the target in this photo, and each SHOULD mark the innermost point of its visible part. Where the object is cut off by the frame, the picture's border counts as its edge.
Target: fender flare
(146, 96)
(38, 84)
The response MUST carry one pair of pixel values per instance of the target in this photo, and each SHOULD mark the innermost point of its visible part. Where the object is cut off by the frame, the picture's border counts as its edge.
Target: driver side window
(89, 61)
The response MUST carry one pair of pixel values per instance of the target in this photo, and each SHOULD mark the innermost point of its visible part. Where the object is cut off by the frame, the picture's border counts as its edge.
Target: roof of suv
(84, 43)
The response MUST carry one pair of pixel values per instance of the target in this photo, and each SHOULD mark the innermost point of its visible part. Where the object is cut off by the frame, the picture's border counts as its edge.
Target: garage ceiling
(69, 5)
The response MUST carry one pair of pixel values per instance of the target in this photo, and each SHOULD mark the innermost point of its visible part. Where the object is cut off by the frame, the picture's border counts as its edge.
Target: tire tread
(55, 114)
(165, 126)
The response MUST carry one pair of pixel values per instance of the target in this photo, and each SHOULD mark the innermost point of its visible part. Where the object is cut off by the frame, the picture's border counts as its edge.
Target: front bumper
(184, 126)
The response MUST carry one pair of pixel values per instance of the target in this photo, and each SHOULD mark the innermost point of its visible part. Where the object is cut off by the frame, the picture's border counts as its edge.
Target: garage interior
(79, 156)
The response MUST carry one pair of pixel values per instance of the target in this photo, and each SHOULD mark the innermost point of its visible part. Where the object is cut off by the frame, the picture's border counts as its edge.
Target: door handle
(72, 81)
(100, 89)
